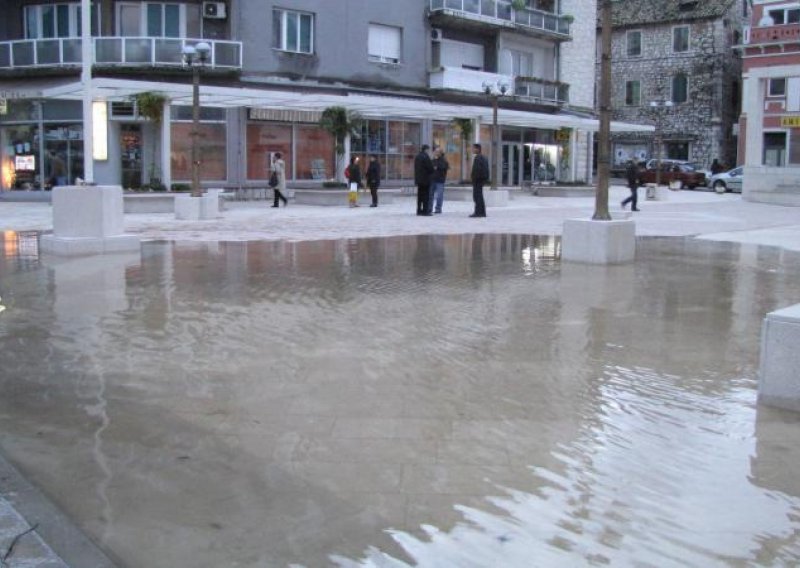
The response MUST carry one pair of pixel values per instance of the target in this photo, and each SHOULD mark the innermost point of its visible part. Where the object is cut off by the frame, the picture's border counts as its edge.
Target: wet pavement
(461, 400)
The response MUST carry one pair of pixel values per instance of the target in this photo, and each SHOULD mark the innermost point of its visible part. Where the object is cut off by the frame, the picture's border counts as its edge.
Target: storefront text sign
(790, 121)
(284, 115)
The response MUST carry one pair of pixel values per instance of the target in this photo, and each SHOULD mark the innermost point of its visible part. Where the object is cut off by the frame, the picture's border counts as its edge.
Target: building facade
(769, 145)
(408, 69)
(673, 66)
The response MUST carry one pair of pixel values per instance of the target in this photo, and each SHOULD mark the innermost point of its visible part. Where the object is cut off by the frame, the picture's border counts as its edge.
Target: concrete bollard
(779, 377)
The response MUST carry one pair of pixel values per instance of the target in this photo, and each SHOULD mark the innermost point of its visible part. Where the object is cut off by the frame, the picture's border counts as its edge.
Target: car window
(736, 172)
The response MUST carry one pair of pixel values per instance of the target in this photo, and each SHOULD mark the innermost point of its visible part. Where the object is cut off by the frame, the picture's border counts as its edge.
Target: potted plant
(339, 123)
(151, 107)
(519, 4)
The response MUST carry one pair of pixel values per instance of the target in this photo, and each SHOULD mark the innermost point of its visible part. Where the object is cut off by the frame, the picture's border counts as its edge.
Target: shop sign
(284, 115)
(8, 94)
(790, 121)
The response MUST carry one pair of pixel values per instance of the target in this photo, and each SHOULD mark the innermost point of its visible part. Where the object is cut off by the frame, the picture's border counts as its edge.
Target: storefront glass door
(131, 145)
(512, 164)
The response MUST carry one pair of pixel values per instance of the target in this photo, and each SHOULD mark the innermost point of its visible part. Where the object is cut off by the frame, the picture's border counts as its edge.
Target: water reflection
(445, 400)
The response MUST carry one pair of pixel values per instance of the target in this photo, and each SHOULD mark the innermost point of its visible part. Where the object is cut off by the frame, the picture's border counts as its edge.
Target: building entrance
(131, 145)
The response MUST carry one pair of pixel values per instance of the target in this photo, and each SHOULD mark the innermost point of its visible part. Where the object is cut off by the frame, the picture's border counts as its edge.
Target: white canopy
(368, 105)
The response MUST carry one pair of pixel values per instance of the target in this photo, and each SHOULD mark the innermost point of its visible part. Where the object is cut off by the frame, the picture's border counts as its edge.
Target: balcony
(458, 79)
(787, 33)
(476, 14)
(541, 91)
(114, 52)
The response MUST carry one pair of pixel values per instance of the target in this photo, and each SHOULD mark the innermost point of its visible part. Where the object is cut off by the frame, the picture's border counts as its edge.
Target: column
(166, 146)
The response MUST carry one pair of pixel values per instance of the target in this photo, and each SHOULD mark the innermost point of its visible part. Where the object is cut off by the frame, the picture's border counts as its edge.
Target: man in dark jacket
(480, 175)
(374, 178)
(440, 167)
(632, 173)
(423, 170)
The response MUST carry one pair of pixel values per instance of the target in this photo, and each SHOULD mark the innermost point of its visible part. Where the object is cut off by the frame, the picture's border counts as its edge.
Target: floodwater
(435, 401)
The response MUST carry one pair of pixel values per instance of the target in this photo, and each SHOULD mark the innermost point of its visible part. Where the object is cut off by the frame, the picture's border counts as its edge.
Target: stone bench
(339, 197)
(779, 377)
(161, 202)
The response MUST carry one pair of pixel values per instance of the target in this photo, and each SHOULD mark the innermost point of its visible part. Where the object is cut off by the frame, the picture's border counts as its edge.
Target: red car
(672, 170)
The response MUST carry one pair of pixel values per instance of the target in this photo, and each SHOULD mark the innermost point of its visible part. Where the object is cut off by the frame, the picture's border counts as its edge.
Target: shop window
(448, 137)
(783, 16)
(775, 149)
(680, 39)
(395, 142)
(634, 43)
(384, 44)
(211, 139)
(263, 140)
(293, 31)
(315, 153)
(676, 150)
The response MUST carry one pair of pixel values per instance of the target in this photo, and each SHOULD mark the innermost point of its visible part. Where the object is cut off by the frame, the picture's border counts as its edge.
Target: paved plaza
(312, 386)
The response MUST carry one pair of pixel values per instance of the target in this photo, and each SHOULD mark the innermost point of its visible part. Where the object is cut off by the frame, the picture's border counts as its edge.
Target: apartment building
(407, 68)
(769, 145)
(674, 67)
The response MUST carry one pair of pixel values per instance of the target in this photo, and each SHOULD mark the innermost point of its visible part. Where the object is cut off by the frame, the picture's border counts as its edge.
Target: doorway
(131, 145)
(511, 170)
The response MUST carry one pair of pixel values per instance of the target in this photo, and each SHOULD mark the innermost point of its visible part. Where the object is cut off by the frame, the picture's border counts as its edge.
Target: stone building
(673, 67)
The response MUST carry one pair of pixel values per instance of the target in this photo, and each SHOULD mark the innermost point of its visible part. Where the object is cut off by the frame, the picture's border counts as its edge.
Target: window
(293, 31)
(57, 20)
(521, 63)
(634, 43)
(676, 150)
(680, 39)
(151, 19)
(384, 44)
(785, 16)
(777, 87)
(680, 88)
(211, 139)
(633, 93)
(775, 149)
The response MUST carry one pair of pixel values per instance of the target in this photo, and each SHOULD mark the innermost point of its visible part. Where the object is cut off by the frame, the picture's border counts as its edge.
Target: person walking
(354, 181)
(480, 175)
(632, 173)
(374, 178)
(440, 167)
(423, 170)
(716, 167)
(278, 178)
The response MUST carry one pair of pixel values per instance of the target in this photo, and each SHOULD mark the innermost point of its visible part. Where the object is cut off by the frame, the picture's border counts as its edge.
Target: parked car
(727, 181)
(673, 170)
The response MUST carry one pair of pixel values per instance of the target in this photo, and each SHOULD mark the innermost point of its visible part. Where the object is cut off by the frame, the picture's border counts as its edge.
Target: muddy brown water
(436, 401)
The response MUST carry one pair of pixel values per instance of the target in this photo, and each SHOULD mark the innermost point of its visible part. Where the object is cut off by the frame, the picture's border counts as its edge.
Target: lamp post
(196, 58)
(495, 90)
(657, 107)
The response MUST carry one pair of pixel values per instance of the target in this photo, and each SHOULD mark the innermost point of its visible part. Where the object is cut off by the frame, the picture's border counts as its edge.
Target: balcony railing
(772, 34)
(469, 80)
(114, 51)
(501, 11)
(546, 92)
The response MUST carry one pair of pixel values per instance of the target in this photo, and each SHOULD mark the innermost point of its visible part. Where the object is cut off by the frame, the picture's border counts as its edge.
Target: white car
(727, 181)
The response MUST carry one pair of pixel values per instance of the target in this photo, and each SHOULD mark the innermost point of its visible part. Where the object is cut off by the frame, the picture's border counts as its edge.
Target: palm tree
(150, 106)
(340, 122)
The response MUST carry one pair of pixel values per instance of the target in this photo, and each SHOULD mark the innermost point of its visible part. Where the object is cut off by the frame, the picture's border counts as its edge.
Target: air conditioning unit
(436, 34)
(214, 10)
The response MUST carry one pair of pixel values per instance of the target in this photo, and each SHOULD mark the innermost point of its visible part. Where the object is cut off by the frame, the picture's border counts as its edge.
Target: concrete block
(599, 242)
(78, 246)
(87, 211)
(779, 377)
(187, 208)
(496, 198)
(655, 192)
(209, 206)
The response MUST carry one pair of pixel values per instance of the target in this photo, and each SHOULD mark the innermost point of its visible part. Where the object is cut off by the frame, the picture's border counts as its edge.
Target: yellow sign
(790, 121)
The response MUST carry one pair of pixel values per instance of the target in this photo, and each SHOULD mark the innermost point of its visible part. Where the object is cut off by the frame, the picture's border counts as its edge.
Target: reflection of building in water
(20, 249)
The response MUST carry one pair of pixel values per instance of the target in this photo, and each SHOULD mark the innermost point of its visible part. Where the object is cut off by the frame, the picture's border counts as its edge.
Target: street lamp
(196, 57)
(495, 90)
(658, 108)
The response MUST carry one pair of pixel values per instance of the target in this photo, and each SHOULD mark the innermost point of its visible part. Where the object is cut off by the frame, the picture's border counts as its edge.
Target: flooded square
(462, 400)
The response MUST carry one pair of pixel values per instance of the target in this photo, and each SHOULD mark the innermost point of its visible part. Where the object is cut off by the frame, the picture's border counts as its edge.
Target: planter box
(599, 242)
(563, 191)
(339, 197)
(779, 377)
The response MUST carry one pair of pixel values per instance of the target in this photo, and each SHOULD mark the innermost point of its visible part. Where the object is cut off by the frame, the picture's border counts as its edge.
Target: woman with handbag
(277, 181)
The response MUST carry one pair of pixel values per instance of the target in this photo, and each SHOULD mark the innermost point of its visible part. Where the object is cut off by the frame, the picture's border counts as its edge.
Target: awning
(367, 105)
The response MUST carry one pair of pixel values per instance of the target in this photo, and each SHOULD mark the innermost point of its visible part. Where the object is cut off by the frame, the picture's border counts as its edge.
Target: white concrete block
(599, 242)
(779, 380)
(209, 206)
(87, 211)
(496, 198)
(187, 208)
